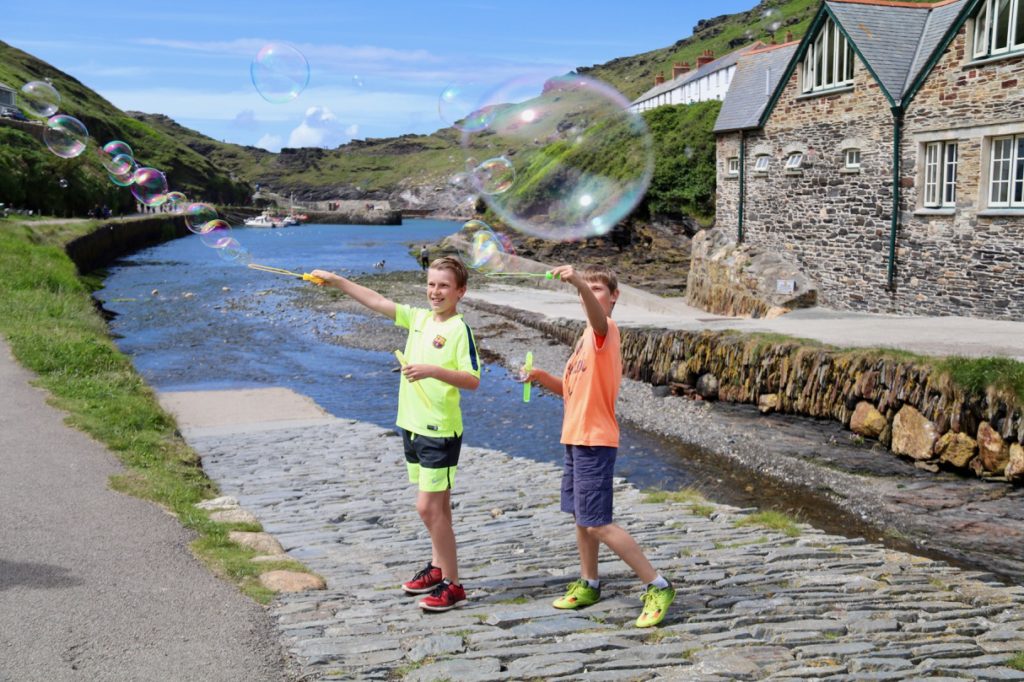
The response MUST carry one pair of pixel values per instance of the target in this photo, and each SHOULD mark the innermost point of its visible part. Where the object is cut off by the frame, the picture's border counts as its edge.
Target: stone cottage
(708, 81)
(885, 153)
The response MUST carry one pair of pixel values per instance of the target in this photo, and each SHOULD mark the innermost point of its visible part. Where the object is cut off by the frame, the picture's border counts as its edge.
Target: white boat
(289, 220)
(263, 220)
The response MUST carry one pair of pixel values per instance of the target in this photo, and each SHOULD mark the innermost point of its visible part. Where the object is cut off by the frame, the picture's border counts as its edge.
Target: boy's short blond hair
(454, 265)
(603, 274)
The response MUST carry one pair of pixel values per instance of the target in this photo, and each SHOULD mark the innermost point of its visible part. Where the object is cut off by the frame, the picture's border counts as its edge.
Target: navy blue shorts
(587, 484)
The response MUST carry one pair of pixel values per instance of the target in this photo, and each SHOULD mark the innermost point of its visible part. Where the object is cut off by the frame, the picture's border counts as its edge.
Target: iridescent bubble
(116, 157)
(231, 250)
(216, 234)
(65, 136)
(357, 81)
(583, 160)
(279, 72)
(124, 179)
(494, 176)
(63, 183)
(149, 186)
(198, 215)
(481, 248)
(459, 107)
(176, 202)
(41, 99)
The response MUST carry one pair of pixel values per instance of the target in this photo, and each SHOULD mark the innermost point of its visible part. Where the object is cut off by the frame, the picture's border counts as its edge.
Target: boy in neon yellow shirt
(590, 433)
(441, 358)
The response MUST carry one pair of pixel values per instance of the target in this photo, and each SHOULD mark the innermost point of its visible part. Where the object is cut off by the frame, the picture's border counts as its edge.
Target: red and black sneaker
(446, 596)
(424, 581)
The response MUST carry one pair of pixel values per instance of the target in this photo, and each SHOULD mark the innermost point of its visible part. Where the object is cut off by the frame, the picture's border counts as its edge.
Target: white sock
(659, 582)
(593, 583)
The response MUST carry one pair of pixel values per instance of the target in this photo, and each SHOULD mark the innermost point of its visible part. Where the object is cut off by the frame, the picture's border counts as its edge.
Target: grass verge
(773, 520)
(49, 318)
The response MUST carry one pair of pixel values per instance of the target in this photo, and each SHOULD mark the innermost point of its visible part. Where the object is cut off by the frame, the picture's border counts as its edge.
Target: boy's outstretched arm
(457, 378)
(595, 313)
(545, 379)
(368, 297)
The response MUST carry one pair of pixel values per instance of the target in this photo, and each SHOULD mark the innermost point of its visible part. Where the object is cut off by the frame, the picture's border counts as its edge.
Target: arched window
(829, 60)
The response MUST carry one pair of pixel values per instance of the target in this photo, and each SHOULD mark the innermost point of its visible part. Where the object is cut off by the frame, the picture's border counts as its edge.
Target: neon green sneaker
(656, 602)
(580, 593)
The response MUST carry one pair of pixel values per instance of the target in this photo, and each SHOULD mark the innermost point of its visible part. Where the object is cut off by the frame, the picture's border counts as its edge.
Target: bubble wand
(527, 366)
(287, 273)
(545, 275)
(419, 389)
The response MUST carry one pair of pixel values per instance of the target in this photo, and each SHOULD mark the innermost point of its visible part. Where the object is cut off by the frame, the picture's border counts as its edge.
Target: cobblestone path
(753, 603)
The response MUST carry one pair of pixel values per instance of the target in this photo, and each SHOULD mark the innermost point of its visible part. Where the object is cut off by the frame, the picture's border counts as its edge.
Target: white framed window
(998, 28)
(734, 165)
(794, 161)
(1006, 172)
(940, 163)
(761, 163)
(852, 157)
(829, 60)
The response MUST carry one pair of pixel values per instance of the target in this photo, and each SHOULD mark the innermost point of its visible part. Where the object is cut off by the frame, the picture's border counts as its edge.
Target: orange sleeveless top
(590, 386)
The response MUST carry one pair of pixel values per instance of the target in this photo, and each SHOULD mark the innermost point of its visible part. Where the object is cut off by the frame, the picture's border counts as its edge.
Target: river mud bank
(812, 469)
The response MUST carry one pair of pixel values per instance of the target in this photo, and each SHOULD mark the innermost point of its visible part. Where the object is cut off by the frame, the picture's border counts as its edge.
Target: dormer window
(828, 63)
(998, 28)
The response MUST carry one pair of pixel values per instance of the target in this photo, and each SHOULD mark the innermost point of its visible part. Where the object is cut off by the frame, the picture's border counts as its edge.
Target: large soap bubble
(116, 156)
(41, 99)
(149, 186)
(176, 202)
(197, 215)
(279, 72)
(65, 136)
(459, 106)
(128, 177)
(582, 160)
(483, 249)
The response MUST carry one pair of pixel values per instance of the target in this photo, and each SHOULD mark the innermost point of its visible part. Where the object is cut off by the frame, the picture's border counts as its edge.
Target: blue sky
(377, 69)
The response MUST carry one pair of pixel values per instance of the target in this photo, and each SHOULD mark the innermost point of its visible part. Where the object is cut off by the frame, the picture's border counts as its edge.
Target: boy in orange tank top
(589, 387)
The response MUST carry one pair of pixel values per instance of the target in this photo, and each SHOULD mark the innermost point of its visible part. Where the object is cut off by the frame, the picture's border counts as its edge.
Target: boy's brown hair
(455, 266)
(603, 274)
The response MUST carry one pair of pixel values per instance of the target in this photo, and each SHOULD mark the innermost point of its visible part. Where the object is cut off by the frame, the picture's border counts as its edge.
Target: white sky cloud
(272, 143)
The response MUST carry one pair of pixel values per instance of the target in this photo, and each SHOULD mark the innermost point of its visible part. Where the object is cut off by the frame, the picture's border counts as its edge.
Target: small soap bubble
(231, 250)
(197, 215)
(458, 107)
(279, 72)
(116, 156)
(63, 183)
(494, 176)
(357, 81)
(482, 249)
(40, 98)
(149, 186)
(216, 234)
(176, 202)
(127, 178)
(65, 136)
(583, 160)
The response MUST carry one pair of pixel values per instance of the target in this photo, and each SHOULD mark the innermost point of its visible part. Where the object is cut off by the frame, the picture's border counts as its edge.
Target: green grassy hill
(30, 174)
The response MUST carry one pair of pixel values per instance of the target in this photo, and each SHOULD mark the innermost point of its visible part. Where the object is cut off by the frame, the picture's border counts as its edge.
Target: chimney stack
(679, 69)
(659, 79)
(789, 36)
(705, 58)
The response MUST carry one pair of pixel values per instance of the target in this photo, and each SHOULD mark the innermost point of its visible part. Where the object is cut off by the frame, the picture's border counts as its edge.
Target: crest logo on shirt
(439, 341)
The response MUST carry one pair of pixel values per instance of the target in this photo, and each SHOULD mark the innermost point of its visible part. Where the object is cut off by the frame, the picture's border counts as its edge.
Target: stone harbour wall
(912, 409)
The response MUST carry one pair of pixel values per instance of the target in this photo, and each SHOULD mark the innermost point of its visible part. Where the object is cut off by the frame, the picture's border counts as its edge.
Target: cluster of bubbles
(564, 158)
(67, 138)
(485, 250)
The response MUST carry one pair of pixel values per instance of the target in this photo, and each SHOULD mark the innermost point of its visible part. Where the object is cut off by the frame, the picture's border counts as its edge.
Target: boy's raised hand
(566, 273)
(325, 277)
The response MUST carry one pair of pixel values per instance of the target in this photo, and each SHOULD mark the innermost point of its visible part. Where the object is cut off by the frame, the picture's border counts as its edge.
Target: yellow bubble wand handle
(305, 276)
(419, 389)
(527, 366)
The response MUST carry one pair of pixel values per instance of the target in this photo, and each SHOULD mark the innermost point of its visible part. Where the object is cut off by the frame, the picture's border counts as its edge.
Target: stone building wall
(834, 222)
(967, 260)
(727, 187)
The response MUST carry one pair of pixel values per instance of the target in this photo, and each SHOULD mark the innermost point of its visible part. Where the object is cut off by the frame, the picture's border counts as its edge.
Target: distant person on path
(442, 359)
(589, 387)
(424, 257)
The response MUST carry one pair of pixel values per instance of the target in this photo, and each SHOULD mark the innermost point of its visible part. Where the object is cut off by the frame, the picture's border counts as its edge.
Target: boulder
(956, 448)
(707, 386)
(261, 542)
(993, 452)
(234, 515)
(867, 421)
(291, 581)
(224, 502)
(913, 435)
(1015, 464)
(768, 402)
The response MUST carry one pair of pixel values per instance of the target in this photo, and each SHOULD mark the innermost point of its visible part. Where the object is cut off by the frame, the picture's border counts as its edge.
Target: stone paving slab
(753, 603)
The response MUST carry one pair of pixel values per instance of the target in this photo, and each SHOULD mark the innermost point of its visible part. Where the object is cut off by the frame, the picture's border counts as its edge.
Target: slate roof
(895, 41)
(757, 76)
(720, 63)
